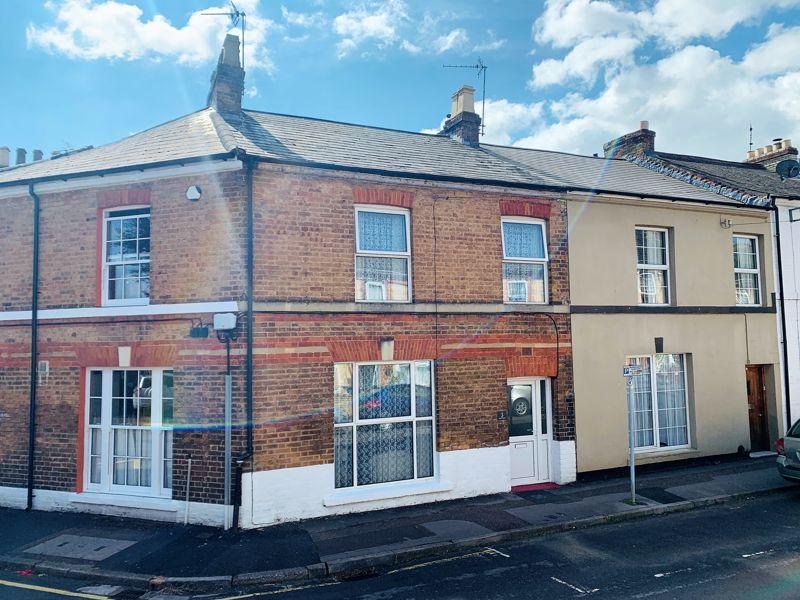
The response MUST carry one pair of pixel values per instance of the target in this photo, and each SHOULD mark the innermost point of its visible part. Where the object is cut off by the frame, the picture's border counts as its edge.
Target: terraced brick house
(387, 312)
(399, 299)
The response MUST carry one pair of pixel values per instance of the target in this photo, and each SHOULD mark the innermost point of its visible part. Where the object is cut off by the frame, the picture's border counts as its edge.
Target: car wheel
(520, 407)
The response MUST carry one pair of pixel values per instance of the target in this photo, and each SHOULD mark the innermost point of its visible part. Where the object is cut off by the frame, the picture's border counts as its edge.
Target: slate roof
(317, 142)
(603, 174)
(190, 136)
(749, 178)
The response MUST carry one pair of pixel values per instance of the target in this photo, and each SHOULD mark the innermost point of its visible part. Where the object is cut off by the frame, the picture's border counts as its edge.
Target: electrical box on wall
(42, 372)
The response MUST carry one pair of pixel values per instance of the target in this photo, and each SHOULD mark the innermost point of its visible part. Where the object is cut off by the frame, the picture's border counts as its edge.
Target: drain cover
(80, 546)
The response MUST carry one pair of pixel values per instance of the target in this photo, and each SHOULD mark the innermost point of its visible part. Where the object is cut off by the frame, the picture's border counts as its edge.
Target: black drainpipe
(248, 453)
(34, 349)
(785, 350)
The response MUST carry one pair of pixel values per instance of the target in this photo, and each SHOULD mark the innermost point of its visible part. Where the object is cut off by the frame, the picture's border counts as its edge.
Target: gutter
(785, 345)
(114, 170)
(34, 345)
(249, 249)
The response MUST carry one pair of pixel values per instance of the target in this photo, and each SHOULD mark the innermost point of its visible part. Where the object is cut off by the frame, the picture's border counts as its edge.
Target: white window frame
(654, 398)
(756, 271)
(642, 266)
(157, 429)
(356, 421)
(545, 262)
(359, 208)
(105, 264)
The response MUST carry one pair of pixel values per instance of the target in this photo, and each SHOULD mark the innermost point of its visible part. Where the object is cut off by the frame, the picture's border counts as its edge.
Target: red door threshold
(534, 487)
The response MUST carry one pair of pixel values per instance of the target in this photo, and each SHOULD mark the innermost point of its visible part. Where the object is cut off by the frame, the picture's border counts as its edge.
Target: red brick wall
(294, 357)
(196, 252)
(306, 243)
(199, 368)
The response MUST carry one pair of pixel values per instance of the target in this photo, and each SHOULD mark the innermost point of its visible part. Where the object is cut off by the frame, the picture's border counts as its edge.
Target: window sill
(400, 490)
(656, 453)
(113, 303)
(124, 501)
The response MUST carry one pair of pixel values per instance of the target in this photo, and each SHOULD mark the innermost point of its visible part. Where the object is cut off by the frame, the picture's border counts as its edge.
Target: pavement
(148, 555)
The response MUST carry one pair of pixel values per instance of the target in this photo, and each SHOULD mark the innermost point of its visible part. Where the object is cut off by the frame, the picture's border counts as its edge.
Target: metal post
(228, 419)
(631, 442)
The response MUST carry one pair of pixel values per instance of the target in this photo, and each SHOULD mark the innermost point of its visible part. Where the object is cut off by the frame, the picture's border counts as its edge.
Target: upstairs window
(383, 255)
(747, 276)
(524, 261)
(126, 256)
(652, 264)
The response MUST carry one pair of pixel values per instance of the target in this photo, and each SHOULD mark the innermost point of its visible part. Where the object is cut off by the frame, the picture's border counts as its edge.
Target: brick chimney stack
(635, 143)
(770, 155)
(463, 123)
(227, 81)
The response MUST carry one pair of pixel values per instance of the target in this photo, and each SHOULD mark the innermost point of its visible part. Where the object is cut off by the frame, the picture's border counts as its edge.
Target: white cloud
(603, 33)
(92, 30)
(698, 101)
(584, 61)
(491, 44)
(505, 121)
(306, 20)
(410, 48)
(453, 40)
(376, 22)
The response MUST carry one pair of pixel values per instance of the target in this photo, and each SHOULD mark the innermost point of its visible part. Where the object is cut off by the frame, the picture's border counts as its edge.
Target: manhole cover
(80, 546)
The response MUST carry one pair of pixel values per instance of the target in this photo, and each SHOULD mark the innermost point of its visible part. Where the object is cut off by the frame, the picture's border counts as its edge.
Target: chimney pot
(769, 148)
(787, 143)
(4, 156)
(751, 154)
(20, 156)
(463, 123)
(37, 155)
(644, 124)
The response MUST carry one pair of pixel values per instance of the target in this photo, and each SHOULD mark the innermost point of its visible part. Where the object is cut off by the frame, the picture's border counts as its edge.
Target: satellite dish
(788, 169)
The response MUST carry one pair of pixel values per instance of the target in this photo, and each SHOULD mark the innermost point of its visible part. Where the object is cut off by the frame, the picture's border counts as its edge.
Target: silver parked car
(789, 454)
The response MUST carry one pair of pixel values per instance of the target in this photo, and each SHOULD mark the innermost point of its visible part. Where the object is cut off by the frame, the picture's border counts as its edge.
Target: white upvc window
(661, 412)
(746, 270)
(652, 265)
(383, 254)
(524, 260)
(126, 256)
(384, 428)
(129, 416)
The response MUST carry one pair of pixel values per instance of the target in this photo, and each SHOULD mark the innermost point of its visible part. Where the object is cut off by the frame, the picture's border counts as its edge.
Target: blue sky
(563, 74)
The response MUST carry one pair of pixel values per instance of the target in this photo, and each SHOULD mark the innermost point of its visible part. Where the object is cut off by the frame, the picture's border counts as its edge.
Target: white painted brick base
(563, 461)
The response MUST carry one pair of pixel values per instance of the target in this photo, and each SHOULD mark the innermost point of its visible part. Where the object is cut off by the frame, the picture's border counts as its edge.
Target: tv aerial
(236, 16)
(480, 67)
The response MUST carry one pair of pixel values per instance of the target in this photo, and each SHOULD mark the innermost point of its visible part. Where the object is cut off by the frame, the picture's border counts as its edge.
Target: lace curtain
(523, 240)
(381, 232)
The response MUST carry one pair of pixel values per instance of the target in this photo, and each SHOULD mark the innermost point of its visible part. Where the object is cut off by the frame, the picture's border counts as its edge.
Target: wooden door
(757, 406)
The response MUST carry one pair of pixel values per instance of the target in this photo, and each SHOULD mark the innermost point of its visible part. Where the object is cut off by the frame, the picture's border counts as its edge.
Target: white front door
(529, 430)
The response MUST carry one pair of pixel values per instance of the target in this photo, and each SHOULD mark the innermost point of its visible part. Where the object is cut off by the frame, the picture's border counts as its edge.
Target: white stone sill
(124, 501)
(399, 490)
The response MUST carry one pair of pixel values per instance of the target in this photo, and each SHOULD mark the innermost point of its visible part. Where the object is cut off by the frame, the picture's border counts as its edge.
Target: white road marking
(493, 551)
(770, 551)
(668, 573)
(575, 587)
(484, 552)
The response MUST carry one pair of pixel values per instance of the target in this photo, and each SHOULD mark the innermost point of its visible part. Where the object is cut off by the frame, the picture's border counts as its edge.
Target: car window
(794, 432)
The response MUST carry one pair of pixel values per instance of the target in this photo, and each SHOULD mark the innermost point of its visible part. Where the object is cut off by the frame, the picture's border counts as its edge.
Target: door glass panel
(520, 410)
(543, 412)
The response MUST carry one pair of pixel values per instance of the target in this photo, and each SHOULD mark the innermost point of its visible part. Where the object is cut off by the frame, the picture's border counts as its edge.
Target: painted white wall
(563, 462)
(281, 495)
(135, 507)
(790, 258)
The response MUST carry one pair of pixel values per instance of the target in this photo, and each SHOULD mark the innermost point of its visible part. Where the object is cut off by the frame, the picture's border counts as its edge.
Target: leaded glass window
(383, 422)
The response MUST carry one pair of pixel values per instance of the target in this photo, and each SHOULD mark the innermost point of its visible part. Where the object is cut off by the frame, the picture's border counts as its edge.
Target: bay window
(661, 415)
(652, 264)
(126, 256)
(524, 261)
(746, 271)
(383, 422)
(129, 431)
(383, 255)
